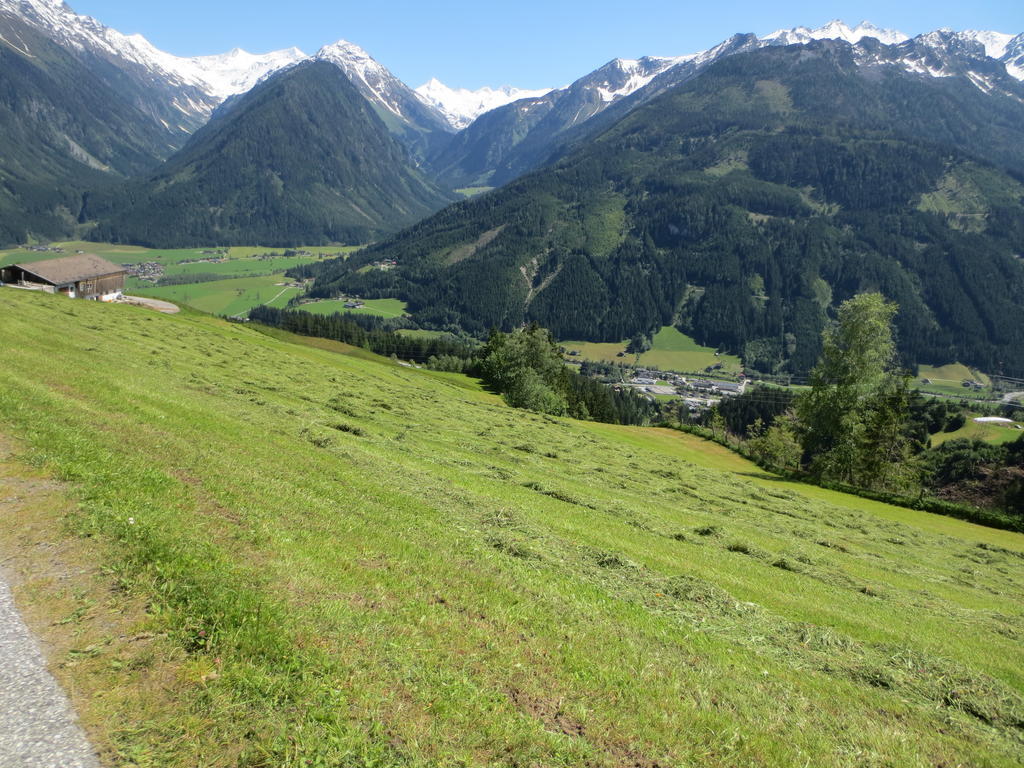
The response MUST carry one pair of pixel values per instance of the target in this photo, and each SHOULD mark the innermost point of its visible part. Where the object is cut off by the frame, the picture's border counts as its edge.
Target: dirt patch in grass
(551, 714)
(556, 719)
(95, 634)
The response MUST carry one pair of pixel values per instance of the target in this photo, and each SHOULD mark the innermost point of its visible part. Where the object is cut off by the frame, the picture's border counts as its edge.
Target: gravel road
(160, 306)
(37, 726)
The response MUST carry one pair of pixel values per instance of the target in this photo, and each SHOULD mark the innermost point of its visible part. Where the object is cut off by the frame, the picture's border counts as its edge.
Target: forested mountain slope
(63, 129)
(744, 204)
(302, 158)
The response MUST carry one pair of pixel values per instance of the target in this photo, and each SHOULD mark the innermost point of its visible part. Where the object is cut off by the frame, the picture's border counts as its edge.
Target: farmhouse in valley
(83, 276)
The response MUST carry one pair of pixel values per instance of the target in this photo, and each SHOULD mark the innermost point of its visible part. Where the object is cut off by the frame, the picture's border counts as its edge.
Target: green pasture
(671, 350)
(331, 251)
(238, 267)
(607, 352)
(948, 380)
(989, 433)
(378, 307)
(313, 556)
(229, 297)
(674, 351)
(132, 254)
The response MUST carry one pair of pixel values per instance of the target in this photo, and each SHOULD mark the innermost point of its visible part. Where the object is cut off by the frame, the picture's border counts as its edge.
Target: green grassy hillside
(972, 430)
(334, 560)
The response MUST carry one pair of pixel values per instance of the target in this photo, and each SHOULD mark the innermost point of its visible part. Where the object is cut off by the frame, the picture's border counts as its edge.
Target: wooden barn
(84, 276)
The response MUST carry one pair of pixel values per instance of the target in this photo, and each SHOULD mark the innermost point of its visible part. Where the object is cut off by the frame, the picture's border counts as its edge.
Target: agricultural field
(989, 433)
(607, 352)
(243, 548)
(671, 350)
(119, 254)
(250, 251)
(674, 351)
(241, 260)
(134, 254)
(240, 267)
(378, 307)
(231, 297)
(948, 380)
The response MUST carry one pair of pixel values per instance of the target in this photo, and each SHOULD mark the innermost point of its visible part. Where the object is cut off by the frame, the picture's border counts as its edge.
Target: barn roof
(71, 269)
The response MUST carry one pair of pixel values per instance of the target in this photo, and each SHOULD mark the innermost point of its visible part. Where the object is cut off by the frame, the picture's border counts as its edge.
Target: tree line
(367, 331)
(859, 425)
(525, 366)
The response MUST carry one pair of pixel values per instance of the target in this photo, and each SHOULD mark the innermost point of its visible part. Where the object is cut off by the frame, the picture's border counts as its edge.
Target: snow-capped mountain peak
(378, 85)
(461, 106)
(836, 30)
(216, 76)
(370, 77)
(356, 62)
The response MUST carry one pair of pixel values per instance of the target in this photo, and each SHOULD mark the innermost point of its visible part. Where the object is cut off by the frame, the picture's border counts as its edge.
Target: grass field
(241, 257)
(607, 352)
(674, 351)
(249, 251)
(670, 350)
(379, 307)
(249, 551)
(948, 379)
(990, 433)
(230, 297)
(240, 267)
(119, 254)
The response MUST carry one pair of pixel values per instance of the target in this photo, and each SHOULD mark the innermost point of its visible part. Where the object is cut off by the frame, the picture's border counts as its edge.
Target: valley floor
(281, 553)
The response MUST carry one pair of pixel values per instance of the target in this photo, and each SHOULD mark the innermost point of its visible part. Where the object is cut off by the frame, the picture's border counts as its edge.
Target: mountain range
(645, 193)
(742, 205)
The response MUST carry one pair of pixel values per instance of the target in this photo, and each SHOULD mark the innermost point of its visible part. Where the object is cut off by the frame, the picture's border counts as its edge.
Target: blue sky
(527, 43)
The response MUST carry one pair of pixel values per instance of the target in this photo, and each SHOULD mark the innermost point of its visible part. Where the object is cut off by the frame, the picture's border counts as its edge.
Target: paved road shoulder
(37, 726)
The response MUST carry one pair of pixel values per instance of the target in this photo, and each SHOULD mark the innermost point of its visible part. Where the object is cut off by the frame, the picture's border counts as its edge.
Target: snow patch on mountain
(461, 106)
(634, 74)
(1014, 57)
(237, 71)
(995, 43)
(919, 67)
